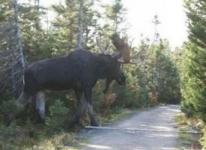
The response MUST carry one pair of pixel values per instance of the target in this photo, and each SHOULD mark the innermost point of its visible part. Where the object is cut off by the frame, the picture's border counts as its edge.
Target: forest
(158, 74)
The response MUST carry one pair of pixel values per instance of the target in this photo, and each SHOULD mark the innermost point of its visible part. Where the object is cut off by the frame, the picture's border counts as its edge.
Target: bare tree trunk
(18, 34)
(18, 48)
(79, 27)
(37, 4)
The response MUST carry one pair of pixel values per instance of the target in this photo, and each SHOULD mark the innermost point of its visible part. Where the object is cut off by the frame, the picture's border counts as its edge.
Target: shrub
(58, 116)
(8, 111)
(203, 139)
(187, 108)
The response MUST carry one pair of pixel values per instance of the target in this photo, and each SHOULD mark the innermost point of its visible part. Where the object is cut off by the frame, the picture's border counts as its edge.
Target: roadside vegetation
(189, 132)
(192, 66)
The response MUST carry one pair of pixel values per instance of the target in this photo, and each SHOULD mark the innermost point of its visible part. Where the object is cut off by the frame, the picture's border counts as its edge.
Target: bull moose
(79, 71)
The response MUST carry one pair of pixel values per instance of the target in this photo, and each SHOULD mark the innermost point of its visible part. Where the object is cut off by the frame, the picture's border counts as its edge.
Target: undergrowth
(189, 132)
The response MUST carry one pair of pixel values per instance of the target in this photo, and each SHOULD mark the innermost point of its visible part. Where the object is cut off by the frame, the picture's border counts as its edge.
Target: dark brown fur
(79, 71)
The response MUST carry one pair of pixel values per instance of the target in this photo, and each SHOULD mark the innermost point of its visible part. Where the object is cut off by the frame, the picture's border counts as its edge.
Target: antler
(123, 47)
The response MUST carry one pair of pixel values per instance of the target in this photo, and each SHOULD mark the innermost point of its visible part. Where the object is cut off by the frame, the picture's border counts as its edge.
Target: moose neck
(103, 66)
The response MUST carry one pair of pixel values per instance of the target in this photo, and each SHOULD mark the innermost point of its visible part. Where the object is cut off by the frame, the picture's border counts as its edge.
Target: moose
(79, 71)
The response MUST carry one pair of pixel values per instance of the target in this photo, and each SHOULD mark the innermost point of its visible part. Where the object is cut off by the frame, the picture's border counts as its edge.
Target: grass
(188, 141)
(115, 115)
(61, 141)
(35, 138)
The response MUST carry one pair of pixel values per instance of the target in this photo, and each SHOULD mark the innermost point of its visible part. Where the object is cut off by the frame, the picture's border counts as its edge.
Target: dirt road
(152, 129)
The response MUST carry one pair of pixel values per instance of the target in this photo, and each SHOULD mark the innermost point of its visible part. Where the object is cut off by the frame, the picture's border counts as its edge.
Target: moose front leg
(40, 105)
(81, 108)
(107, 84)
(92, 115)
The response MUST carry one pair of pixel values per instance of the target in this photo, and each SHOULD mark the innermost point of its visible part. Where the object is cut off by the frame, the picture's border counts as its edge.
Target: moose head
(122, 56)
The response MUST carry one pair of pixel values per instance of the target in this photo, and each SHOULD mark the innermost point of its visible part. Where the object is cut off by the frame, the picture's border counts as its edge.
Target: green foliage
(115, 14)
(203, 139)
(133, 95)
(63, 141)
(187, 108)
(157, 74)
(143, 97)
(193, 66)
(30, 137)
(15, 137)
(58, 116)
(5, 11)
(168, 79)
(66, 24)
(193, 87)
(8, 111)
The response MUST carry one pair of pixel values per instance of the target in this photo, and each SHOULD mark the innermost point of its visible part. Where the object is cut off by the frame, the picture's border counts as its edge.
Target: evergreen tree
(110, 24)
(74, 21)
(37, 41)
(194, 66)
(115, 15)
(167, 86)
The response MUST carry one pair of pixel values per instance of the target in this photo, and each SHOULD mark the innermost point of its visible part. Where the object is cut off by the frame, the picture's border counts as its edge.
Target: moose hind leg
(92, 115)
(40, 105)
(81, 110)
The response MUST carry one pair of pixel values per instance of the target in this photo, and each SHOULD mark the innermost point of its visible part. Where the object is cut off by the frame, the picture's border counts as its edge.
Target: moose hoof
(94, 123)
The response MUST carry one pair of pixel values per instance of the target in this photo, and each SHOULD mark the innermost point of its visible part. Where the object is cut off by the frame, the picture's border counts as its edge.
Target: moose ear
(117, 56)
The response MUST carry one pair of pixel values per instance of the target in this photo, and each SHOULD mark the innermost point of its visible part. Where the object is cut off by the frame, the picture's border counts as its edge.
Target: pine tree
(161, 84)
(115, 14)
(110, 24)
(35, 38)
(75, 23)
(194, 66)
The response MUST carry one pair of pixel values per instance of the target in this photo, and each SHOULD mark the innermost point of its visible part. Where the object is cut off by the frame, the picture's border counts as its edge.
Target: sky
(140, 14)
